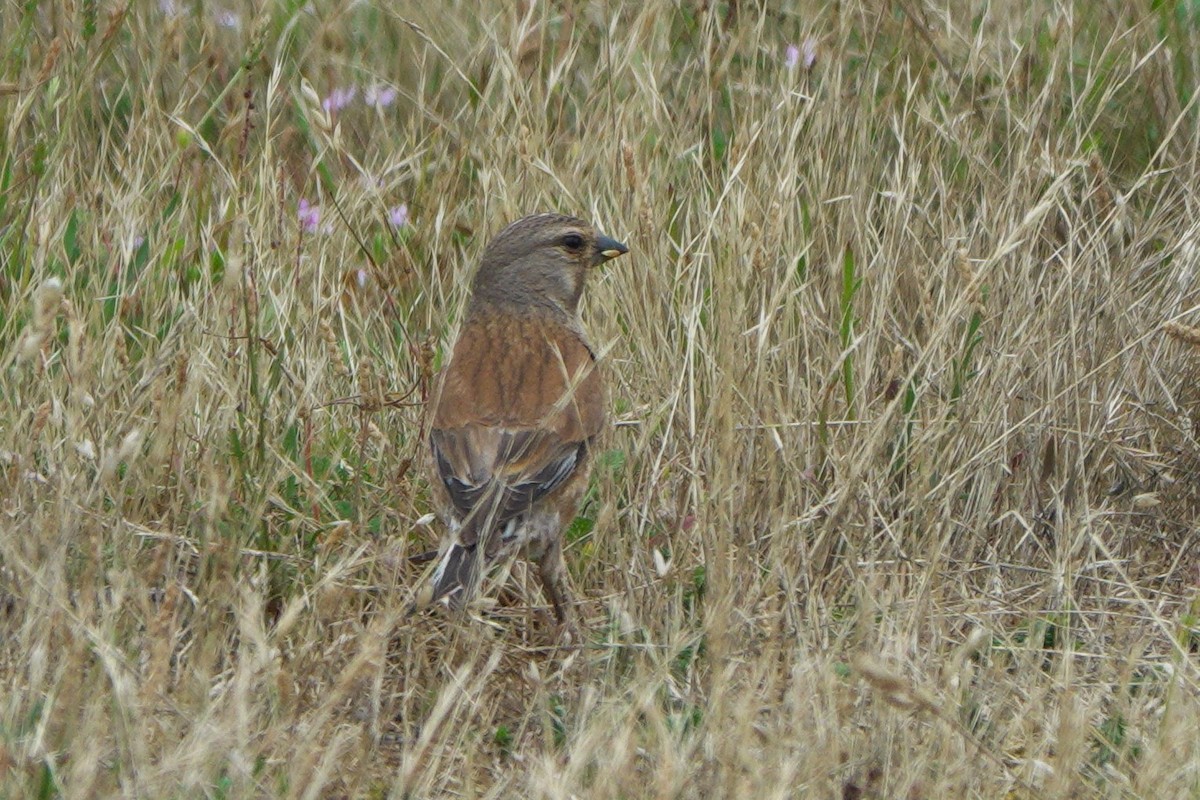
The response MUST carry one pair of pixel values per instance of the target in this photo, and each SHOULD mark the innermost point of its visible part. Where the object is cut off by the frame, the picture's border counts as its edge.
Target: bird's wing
(530, 464)
(515, 411)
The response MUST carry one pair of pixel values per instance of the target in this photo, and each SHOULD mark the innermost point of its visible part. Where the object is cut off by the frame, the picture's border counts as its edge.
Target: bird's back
(521, 373)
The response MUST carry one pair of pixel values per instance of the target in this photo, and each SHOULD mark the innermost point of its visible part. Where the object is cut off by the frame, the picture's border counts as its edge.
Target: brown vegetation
(901, 499)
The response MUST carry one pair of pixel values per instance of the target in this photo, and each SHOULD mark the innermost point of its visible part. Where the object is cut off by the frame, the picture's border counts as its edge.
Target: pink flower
(791, 56)
(379, 95)
(310, 216)
(398, 216)
(227, 19)
(803, 56)
(808, 51)
(339, 99)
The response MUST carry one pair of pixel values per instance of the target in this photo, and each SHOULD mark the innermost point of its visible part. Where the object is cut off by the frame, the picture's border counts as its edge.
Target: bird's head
(542, 261)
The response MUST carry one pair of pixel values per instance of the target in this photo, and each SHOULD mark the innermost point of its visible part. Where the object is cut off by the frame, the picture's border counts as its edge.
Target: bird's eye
(573, 241)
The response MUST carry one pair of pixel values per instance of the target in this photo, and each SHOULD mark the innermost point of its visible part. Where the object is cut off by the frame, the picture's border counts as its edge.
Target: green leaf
(612, 460)
(216, 264)
(850, 286)
(579, 528)
(235, 446)
(71, 238)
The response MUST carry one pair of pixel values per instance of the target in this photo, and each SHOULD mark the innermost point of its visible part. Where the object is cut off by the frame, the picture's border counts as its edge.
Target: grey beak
(608, 248)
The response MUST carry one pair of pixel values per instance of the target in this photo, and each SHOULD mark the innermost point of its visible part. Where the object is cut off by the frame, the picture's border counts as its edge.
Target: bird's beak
(608, 248)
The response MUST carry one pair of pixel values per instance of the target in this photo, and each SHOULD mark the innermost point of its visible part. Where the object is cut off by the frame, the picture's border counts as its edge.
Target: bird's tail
(454, 578)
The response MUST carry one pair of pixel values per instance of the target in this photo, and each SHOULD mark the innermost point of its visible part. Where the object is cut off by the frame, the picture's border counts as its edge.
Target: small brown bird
(517, 408)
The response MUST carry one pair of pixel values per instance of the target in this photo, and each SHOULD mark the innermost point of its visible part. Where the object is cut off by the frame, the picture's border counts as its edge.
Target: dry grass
(902, 496)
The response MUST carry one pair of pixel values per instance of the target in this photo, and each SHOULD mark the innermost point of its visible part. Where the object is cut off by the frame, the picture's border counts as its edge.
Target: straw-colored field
(901, 495)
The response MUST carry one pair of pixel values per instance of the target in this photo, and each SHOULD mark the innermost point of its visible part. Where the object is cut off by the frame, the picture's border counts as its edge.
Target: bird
(517, 410)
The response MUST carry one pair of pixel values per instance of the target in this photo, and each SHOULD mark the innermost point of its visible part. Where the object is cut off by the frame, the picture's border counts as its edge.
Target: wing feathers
(528, 466)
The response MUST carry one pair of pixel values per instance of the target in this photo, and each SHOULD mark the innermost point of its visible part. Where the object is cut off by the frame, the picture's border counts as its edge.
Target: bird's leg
(552, 571)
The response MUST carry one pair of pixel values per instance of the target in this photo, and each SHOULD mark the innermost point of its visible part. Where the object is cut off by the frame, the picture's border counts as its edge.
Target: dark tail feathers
(454, 578)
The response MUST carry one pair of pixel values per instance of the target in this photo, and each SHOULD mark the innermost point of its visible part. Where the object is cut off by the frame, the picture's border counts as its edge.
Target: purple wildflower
(339, 99)
(227, 19)
(808, 50)
(398, 216)
(310, 216)
(791, 56)
(379, 95)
